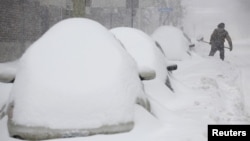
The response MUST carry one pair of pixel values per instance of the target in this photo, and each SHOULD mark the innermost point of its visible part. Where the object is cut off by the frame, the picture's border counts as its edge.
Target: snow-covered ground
(240, 58)
(208, 91)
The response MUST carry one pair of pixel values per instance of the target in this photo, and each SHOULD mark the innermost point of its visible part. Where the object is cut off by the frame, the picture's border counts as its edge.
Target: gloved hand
(231, 48)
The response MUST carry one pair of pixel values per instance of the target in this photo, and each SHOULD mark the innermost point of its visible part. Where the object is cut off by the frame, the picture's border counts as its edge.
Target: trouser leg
(213, 50)
(222, 53)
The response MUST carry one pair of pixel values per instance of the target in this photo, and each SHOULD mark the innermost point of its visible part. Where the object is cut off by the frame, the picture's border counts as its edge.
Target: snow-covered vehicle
(173, 41)
(76, 80)
(146, 52)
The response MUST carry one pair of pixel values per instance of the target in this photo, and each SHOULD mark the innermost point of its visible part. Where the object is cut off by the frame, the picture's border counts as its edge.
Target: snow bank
(219, 83)
(76, 76)
(143, 49)
(207, 91)
(172, 41)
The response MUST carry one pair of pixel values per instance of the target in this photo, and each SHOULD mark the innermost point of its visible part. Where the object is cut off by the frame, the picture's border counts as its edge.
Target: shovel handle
(209, 43)
(206, 42)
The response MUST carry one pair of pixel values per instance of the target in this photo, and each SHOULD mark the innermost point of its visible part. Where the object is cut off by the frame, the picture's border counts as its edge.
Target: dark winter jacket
(219, 35)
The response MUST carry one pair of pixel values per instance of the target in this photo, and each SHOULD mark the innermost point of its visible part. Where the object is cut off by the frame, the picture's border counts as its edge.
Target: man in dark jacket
(217, 41)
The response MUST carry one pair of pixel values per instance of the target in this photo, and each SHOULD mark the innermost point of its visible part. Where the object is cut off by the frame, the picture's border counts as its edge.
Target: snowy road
(240, 58)
(235, 72)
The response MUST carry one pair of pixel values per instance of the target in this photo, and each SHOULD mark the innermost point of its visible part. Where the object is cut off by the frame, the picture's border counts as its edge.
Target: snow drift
(76, 80)
(172, 41)
(145, 52)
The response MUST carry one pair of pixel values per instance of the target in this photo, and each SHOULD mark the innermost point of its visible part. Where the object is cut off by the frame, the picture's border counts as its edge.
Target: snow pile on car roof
(76, 76)
(143, 49)
(172, 41)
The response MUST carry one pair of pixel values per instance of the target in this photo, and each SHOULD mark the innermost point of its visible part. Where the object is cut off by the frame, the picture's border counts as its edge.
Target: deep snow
(209, 91)
(143, 49)
(238, 59)
(71, 80)
(172, 41)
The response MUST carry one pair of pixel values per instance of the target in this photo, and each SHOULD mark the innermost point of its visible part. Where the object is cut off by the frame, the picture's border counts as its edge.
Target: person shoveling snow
(217, 40)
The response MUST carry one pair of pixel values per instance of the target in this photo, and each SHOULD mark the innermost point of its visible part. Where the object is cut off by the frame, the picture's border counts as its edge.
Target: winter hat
(221, 25)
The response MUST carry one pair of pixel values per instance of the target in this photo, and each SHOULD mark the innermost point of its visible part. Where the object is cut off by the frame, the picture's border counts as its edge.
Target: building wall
(108, 3)
(24, 21)
(146, 15)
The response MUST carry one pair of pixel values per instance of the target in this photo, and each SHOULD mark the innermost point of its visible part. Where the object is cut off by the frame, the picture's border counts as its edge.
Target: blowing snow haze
(202, 16)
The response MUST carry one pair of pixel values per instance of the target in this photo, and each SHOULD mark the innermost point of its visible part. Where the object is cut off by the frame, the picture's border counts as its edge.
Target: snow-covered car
(146, 52)
(76, 80)
(173, 41)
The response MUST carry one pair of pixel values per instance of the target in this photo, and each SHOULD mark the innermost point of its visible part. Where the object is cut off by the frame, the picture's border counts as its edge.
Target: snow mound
(143, 49)
(75, 77)
(172, 41)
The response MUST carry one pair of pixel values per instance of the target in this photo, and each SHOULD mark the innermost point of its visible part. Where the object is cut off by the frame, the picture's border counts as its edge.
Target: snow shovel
(202, 40)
